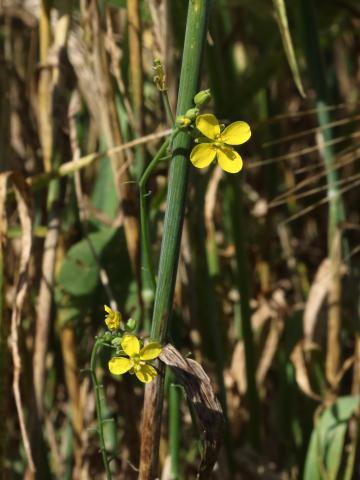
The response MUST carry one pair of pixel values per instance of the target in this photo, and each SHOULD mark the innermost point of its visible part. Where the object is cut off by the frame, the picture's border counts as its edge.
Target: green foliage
(326, 449)
(79, 273)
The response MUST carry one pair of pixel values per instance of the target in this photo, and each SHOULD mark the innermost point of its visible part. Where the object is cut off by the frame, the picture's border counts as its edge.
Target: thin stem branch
(99, 418)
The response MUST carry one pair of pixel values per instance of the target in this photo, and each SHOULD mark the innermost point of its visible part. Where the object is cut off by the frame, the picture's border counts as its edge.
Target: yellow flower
(136, 363)
(219, 143)
(112, 319)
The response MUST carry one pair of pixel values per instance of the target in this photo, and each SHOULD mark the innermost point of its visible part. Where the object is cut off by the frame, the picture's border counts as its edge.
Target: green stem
(168, 110)
(318, 80)
(99, 418)
(169, 256)
(147, 264)
(246, 329)
(175, 395)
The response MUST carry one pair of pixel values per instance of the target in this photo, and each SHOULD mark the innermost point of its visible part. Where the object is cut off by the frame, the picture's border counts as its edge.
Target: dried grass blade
(23, 199)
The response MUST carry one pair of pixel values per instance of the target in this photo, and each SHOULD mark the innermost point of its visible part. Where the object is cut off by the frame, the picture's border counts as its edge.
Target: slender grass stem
(336, 213)
(167, 106)
(246, 330)
(99, 418)
(174, 396)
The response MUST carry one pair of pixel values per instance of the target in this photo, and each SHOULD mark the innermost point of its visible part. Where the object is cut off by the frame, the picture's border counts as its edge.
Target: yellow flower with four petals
(137, 359)
(219, 143)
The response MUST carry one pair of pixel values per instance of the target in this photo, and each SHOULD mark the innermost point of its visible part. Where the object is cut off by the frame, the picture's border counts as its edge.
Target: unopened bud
(202, 97)
(182, 121)
(159, 75)
(192, 113)
(130, 325)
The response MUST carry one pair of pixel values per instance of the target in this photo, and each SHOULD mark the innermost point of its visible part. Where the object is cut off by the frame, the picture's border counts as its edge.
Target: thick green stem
(146, 262)
(99, 418)
(194, 39)
(169, 255)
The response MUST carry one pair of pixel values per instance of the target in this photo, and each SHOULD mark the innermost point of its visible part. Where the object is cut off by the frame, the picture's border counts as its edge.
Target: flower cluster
(131, 356)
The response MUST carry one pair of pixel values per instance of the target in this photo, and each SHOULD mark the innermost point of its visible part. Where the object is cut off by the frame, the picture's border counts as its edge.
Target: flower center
(137, 362)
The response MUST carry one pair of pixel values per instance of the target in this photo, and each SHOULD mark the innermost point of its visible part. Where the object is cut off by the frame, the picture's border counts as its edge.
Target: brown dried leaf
(298, 359)
(318, 291)
(269, 350)
(22, 194)
(237, 368)
(196, 383)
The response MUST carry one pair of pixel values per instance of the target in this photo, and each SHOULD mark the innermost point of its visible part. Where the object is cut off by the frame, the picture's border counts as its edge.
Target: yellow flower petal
(150, 351)
(236, 133)
(202, 155)
(120, 365)
(131, 345)
(146, 373)
(208, 125)
(229, 160)
(107, 309)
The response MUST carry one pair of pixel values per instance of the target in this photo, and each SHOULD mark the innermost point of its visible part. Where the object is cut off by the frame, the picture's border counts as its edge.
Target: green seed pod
(202, 98)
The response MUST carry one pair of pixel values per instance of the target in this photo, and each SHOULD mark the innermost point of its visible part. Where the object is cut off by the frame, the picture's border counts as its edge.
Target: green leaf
(282, 20)
(104, 196)
(117, 3)
(326, 449)
(79, 273)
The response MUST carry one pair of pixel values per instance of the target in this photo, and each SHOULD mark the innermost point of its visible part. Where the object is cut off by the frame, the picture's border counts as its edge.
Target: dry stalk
(71, 369)
(52, 237)
(93, 73)
(44, 87)
(25, 214)
(355, 389)
(333, 354)
(136, 68)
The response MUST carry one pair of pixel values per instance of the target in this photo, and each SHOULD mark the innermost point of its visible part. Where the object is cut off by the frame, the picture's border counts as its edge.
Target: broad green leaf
(79, 273)
(104, 196)
(326, 449)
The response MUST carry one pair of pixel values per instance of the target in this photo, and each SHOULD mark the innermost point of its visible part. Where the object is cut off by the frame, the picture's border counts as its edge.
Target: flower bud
(202, 98)
(192, 113)
(159, 75)
(130, 325)
(182, 121)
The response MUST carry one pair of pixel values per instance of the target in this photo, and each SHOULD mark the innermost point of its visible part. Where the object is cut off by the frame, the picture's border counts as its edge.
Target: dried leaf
(317, 295)
(23, 199)
(237, 368)
(269, 350)
(196, 383)
(298, 359)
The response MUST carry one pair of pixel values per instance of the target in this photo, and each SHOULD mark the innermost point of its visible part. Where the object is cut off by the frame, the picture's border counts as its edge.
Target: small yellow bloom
(219, 143)
(136, 363)
(112, 319)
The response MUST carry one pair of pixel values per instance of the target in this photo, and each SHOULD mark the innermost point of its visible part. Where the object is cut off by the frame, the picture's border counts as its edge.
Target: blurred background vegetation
(267, 292)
